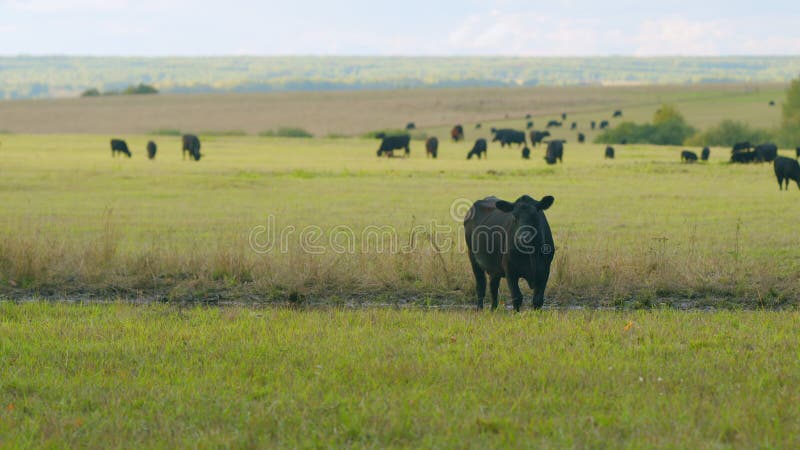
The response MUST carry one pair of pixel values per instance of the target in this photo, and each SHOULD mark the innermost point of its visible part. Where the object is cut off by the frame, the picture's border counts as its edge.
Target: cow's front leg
(516, 294)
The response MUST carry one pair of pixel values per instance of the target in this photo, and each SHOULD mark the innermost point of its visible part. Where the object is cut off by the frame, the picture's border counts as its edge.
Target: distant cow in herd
(581, 138)
(555, 152)
(507, 136)
(119, 146)
(479, 149)
(617, 113)
(457, 133)
(538, 136)
(688, 156)
(604, 124)
(554, 124)
(151, 150)
(526, 153)
(391, 143)
(705, 154)
(191, 145)
(609, 152)
(432, 147)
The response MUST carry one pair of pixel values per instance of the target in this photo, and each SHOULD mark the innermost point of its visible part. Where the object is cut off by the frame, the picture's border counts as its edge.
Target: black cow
(478, 149)
(743, 157)
(554, 123)
(528, 116)
(688, 157)
(432, 147)
(526, 153)
(739, 146)
(529, 125)
(797, 152)
(563, 116)
(574, 126)
(594, 124)
(555, 151)
(511, 240)
(191, 144)
(609, 152)
(457, 133)
(786, 169)
(477, 126)
(772, 103)
(507, 136)
(119, 146)
(617, 113)
(538, 136)
(766, 152)
(705, 154)
(151, 150)
(581, 138)
(411, 126)
(391, 143)
(603, 124)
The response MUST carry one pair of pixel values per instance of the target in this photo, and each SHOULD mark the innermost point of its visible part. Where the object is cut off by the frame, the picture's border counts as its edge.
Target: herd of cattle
(191, 145)
(505, 136)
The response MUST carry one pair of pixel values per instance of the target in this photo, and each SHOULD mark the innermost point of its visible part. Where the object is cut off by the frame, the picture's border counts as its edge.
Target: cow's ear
(546, 202)
(504, 206)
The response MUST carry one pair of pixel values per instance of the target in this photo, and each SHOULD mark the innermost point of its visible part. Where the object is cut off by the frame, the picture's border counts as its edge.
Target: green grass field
(124, 376)
(612, 362)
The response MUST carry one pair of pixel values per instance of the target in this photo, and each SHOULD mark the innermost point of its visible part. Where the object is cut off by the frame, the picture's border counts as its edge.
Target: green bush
(729, 132)
(790, 130)
(91, 92)
(166, 132)
(291, 132)
(668, 128)
(139, 89)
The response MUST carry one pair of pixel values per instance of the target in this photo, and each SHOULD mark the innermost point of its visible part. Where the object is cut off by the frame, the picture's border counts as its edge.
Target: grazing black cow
(151, 150)
(457, 133)
(538, 136)
(563, 116)
(581, 138)
(688, 157)
(526, 153)
(507, 136)
(477, 126)
(797, 152)
(391, 143)
(528, 116)
(766, 152)
(609, 152)
(554, 123)
(739, 146)
(743, 157)
(191, 144)
(594, 124)
(432, 147)
(786, 169)
(705, 154)
(478, 149)
(119, 146)
(511, 240)
(574, 126)
(555, 151)
(603, 124)
(411, 126)
(772, 103)
(529, 125)
(617, 113)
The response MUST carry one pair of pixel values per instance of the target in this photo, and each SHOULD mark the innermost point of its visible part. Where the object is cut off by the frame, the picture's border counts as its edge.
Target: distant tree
(669, 127)
(729, 132)
(791, 115)
(141, 88)
(91, 92)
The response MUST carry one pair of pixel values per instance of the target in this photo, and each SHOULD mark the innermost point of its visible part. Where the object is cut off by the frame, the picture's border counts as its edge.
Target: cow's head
(528, 228)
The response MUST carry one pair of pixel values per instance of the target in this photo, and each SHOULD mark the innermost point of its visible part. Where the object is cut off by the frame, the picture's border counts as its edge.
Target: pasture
(374, 343)
(155, 376)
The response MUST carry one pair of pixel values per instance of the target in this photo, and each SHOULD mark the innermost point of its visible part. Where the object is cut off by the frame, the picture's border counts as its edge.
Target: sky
(402, 27)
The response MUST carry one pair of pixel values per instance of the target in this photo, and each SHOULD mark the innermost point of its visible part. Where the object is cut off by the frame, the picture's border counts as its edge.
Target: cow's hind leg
(480, 281)
(494, 288)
